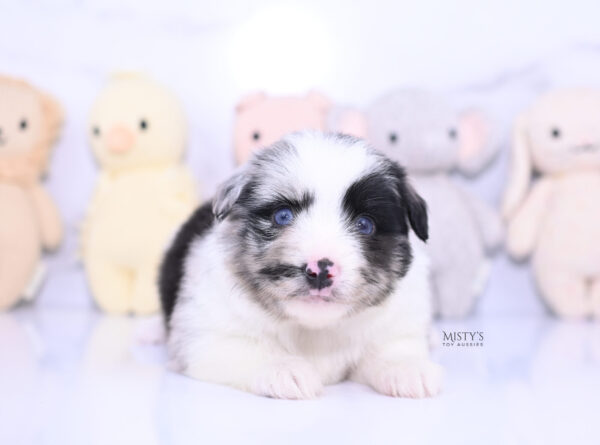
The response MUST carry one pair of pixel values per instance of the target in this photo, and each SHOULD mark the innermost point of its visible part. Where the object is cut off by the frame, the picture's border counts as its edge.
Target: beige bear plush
(557, 219)
(29, 220)
(138, 135)
(262, 120)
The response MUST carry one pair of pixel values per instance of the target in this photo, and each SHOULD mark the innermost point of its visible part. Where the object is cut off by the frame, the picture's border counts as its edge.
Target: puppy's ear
(417, 211)
(228, 193)
(416, 207)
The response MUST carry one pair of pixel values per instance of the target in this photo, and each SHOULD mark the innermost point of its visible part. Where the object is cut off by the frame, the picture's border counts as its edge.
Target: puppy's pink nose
(321, 273)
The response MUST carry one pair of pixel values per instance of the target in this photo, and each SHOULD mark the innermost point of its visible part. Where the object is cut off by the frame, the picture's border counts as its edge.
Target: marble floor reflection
(77, 377)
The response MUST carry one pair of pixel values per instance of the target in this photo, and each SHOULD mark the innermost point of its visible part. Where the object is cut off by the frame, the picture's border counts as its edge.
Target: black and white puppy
(303, 272)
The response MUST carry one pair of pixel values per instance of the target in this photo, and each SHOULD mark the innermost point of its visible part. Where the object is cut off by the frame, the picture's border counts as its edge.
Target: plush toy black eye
(555, 132)
(452, 133)
(143, 125)
(256, 135)
(393, 138)
(23, 124)
(96, 131)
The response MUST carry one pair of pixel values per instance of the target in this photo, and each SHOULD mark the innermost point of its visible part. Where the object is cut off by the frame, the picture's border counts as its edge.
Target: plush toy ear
(519, 175)
(348, 121)
(475, 146)
(249, 100)
(229, 192)
(318, 100)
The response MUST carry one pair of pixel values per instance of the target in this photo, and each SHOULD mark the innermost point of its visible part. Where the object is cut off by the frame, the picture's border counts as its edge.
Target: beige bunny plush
(556, 219)
(30, 121)
(137, 131)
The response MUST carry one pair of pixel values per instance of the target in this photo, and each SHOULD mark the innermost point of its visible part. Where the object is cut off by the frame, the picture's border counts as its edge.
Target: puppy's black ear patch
(416, 207)
(417, 212)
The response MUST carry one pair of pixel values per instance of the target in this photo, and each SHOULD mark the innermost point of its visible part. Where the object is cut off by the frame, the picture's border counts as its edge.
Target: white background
(497, 55)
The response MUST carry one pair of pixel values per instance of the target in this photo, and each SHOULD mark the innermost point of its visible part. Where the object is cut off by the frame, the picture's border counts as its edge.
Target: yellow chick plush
(137, 130)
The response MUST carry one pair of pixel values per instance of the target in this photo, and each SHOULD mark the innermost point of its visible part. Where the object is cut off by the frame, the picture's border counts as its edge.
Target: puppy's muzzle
(321, 274)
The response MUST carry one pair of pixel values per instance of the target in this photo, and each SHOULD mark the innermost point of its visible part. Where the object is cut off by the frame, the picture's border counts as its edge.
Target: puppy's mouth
(317, 297)
(324, 296)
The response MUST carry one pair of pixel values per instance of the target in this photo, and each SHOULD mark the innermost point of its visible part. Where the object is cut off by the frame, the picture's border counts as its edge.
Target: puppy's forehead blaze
(325, 168)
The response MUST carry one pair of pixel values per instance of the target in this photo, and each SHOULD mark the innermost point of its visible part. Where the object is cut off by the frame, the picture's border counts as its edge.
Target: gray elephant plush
(429, 137)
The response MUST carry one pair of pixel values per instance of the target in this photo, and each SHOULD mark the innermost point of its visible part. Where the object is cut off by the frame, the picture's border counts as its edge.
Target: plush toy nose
(119, 139)
(321, 274)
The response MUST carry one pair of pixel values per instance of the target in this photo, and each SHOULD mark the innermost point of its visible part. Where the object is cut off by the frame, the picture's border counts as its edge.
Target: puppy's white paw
(415, 378)
(289, 379)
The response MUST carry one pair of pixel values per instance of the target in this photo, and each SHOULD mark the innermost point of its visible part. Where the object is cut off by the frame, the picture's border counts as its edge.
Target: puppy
(302, 273)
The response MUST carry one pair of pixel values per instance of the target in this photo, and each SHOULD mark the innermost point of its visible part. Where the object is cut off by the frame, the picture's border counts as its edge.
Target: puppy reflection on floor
(303, 272)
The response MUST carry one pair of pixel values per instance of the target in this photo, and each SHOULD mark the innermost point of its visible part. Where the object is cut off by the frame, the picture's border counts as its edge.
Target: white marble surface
(74, 377)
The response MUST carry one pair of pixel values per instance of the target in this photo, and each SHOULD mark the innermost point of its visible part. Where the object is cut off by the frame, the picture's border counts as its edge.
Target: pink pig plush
(262, 120)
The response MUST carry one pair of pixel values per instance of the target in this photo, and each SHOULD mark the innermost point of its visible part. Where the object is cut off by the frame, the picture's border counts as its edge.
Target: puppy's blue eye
(365, 225)
(283, 217)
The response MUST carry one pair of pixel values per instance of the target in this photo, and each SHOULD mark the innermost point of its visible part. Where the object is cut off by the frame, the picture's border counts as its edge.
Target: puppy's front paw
(289, 379)
(416, 378)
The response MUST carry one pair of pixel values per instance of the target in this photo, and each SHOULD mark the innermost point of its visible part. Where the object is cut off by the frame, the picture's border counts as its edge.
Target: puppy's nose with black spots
(321, 273)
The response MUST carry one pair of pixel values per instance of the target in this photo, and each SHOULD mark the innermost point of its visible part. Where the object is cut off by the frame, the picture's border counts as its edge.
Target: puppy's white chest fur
(332, 353)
